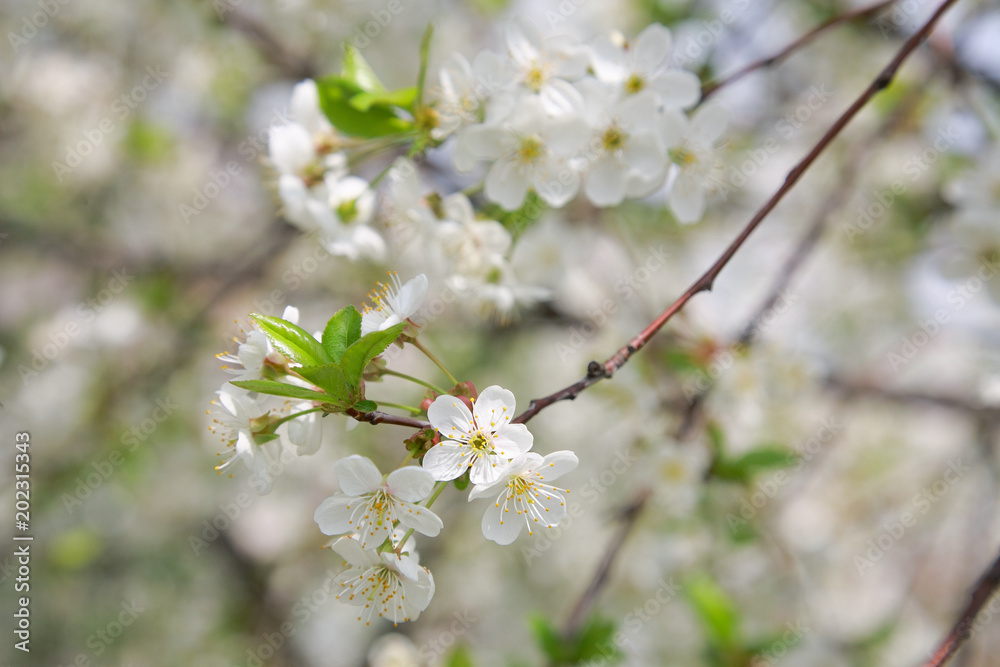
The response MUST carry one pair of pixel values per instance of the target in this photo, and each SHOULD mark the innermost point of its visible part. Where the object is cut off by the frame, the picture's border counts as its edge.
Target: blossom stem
(294, 416)
(437, 362)
(400, 406)
(404, 376)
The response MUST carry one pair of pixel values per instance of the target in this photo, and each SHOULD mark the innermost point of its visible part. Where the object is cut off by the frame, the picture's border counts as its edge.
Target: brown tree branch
(629, 514)
(854, 388)
(377, 417)
(712, 86)
(597, 372)
(981, 594)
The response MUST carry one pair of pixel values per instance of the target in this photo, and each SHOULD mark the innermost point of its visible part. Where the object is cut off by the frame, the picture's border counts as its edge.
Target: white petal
(687, 199)
(494, 407)
(644, 154)
(556, 183)
(553, 507)
(334, 514)
(514, 439)
(487, 469)
(556, 465)
(357, 475)
(672, 127)
(447, 461)
(290, 148)
(608, 60)
(420, 519)
(450, 417)
(351, 551)
(560, 97)
(411, 296)
(708, 123)
(490, 490)
(500, 526)
(651, 48)
(522, 40)
(678, 89)
(507, 184)
(605, 184)
(485, 141)
(411, 483)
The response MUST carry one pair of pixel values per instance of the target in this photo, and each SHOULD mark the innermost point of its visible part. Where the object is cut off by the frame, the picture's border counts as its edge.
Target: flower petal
(447, 461)
(500, 525)
(420, 519)
(450, 417)
(494, 407)
(487, 469)
(678, 89)
(351, 551)
(514, 439)
(334, 514)
(507, 183)
(651, 48)
(357, 475)
(556, 465)
(605, 184)
(411, 483)
(687, 199)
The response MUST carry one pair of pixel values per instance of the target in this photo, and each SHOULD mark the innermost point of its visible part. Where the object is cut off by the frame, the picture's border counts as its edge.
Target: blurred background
(829, 498)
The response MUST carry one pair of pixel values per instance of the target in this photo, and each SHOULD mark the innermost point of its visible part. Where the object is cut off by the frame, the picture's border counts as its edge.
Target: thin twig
(981, 594)
(377, 417)
(853, 388)
(629, 515)
(597, 372)
(271, 47)
(712, 86)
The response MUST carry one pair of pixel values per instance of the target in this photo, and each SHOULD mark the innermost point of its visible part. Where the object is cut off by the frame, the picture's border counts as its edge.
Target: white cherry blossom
(385, 585)
(393, 303)
(524, 496)
(696, 163)
(482, 441)
(640, 65)
(369, 505)
(236, 426)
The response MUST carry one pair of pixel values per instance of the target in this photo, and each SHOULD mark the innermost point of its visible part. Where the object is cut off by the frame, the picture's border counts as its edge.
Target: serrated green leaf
(335, 94)
(343, 329)
(357, 356)
(292, 340)
(274, 388)
(403, 98)
(718, 614)
(357, 70)
(365, 406)
(330, 378)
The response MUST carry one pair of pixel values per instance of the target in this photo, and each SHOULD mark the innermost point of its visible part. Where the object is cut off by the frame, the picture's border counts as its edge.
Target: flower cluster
(317, 192)
(260, 430)
(371, 510)
(557, 116)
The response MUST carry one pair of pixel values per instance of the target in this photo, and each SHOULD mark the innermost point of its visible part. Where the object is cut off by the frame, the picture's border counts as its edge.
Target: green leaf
(330, 378)
(596, 640)
(335, 94)
(357, 70)
(292, 340)
(460, 657)
(425, 49)
(743, 468)
(716, 611)
(366, 406)
(275, 388)
(403, 98)
(548, 638)
(343, 329)
(357, 356)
